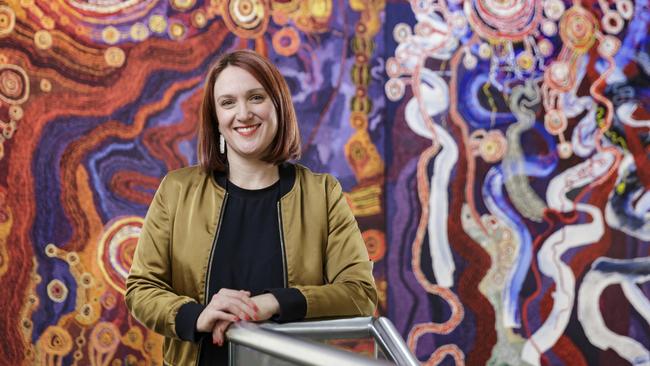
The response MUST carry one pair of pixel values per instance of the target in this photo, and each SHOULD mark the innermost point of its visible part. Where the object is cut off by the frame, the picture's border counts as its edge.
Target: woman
(245, 235)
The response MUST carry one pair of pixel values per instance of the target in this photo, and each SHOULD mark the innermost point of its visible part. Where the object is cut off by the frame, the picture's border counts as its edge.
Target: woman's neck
(252, 175)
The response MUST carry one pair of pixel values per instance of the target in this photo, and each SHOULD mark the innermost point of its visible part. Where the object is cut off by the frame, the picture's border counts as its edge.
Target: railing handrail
(391, 342)
(293, 349)
(326, 329)
(381, 329)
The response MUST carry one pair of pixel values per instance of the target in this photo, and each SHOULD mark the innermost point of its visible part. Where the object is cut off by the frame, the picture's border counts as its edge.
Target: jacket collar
(287, 172)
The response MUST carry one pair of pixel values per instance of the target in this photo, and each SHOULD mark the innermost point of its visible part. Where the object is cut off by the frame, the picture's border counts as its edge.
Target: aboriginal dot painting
(495, 154)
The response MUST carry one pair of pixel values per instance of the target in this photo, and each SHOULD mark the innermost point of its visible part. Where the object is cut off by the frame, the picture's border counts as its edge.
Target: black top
(247, 256)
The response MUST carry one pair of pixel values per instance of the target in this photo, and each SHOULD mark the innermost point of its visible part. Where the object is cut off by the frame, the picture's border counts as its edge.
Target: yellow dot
(48, 23)
(16, 112)
(157, 24)
(7, 20)
(139, 32)
(525, 61)
(176, 30)
(183, 4)
(64, 20)
(26, 3)
(43, 39)
(484, 51)
(111, 35)
(3, 59)
(320, 8)
(199, 19)
(114, 57)
(50, 250)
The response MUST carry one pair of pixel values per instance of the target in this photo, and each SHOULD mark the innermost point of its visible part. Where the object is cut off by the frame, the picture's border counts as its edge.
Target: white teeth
(246, 129)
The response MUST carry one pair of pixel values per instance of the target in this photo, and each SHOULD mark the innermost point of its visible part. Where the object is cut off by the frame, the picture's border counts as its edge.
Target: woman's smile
(247, 131)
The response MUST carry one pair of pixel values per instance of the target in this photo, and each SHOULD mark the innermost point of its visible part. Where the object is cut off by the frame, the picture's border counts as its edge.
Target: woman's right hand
(229, 305)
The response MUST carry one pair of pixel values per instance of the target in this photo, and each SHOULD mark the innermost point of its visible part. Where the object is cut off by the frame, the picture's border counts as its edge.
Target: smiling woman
(245, 235)
(240, 89)
(247, 118)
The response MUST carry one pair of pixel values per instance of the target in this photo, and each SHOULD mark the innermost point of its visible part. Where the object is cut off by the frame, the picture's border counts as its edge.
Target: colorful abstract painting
(100, 100)
(517, 184)
(495, 154)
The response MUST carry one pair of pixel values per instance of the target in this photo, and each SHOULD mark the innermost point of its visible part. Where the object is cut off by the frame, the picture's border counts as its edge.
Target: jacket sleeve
(350, 287)
(149, 295)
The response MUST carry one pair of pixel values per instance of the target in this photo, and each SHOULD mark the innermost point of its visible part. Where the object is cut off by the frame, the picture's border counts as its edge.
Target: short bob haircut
(286, 144)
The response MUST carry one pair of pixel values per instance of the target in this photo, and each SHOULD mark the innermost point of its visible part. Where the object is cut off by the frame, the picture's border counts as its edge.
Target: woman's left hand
(267, 306)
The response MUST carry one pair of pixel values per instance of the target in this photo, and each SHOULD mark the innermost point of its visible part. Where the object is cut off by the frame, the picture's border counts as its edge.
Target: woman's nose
(243, 113)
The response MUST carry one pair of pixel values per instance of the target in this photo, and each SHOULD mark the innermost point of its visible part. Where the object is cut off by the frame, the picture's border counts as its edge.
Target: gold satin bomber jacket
(324, 254)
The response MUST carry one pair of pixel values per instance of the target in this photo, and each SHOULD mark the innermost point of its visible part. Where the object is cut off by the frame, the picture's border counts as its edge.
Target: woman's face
(246, 115)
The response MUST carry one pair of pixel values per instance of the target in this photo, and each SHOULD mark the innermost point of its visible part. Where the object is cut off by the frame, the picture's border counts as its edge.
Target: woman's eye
(226, 103)
(257, 98)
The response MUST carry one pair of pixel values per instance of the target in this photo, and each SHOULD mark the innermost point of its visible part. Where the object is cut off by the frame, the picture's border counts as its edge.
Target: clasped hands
(230, 306)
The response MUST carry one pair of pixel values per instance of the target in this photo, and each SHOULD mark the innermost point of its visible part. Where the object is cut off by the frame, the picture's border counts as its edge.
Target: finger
(248, 301)
(219, 331)
(217, 335)
(235, 306)
(241, 309)
(219, 315)
(224, 302)
(231, 292)
(242, 295)
(245, 293)
(223, 327)
(221, 297)
(216, 338)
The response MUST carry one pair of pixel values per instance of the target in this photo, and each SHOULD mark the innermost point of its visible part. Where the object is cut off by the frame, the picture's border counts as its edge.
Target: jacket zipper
(207, 278)
(284, 253)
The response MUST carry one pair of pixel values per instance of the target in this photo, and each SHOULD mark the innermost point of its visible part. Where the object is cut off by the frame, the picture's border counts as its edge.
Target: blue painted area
(174, 111)
(632, 267)
(636, 34)
(536, 165)
(470, 107)
(49, 312)
(104, 163)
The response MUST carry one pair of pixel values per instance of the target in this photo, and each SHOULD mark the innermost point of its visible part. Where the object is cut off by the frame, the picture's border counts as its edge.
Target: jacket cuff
(186, 319)
(293, 305)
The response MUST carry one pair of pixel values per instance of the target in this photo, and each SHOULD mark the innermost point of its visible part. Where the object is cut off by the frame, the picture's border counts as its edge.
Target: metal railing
(285, 344)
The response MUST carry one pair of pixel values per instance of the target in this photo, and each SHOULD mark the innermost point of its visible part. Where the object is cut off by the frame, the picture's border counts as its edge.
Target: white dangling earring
(222, 144)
